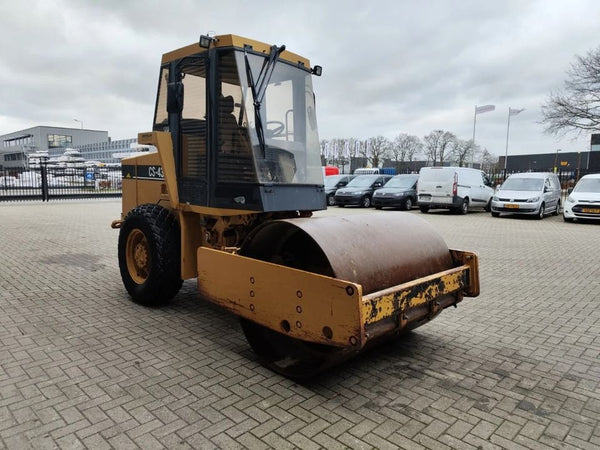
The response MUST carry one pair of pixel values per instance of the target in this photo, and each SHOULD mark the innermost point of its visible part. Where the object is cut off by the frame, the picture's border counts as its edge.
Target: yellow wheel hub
(138, 256)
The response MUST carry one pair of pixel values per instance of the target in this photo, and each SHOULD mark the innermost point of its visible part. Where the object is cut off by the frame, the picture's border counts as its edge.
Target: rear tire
(464, 207)
(557, 210)
(366, 201)
(149, 255)
(330, 200)
(408, 203)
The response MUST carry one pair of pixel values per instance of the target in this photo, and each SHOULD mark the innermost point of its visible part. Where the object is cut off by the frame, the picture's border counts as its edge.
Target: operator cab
(242, 120)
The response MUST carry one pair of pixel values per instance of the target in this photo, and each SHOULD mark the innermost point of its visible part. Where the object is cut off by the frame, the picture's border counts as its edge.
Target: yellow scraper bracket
(300, 304)
(321, 309)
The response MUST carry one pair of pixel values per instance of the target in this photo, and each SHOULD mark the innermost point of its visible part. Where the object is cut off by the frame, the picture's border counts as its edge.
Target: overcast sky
(389, 67)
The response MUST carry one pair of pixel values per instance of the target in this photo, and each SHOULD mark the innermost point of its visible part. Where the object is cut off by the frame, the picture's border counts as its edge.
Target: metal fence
(49, 182)
(568, 178)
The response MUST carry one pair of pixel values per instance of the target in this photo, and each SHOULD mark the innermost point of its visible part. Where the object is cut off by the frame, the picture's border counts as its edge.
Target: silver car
(530, 193)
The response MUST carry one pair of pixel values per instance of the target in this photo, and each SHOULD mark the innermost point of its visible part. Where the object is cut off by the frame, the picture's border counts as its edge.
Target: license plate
(511, 206)
(590, 210)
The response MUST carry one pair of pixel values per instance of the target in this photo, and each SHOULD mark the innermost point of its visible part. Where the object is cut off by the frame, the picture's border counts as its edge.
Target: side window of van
(547, 185)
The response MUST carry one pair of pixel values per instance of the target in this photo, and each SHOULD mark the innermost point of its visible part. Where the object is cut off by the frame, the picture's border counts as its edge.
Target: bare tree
(577, 108)
(376, 150)
(462, 151)
(404, 148)
(437, 143)
(430, 147)
(488, 160)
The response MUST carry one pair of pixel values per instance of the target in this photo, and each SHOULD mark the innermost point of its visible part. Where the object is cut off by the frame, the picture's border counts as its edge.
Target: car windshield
(588, 185)
(362, 181)
(401, 182)
(331, 180)
(523, 184)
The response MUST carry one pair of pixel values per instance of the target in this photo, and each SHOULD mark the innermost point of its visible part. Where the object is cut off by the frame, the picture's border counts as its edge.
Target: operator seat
(234, 157)
(229, 133)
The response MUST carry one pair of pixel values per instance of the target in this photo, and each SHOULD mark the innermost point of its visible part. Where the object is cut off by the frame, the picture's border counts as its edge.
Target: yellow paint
(274, 295)
(389, 302)
(229, 40)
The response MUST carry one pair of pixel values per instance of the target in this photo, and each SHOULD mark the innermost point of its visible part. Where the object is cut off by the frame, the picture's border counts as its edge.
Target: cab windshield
(282, 127)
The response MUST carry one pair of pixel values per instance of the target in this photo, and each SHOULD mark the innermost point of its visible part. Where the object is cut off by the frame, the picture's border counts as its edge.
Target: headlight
(533, 200)
(570, 199)
(495, 198)
(400, 194)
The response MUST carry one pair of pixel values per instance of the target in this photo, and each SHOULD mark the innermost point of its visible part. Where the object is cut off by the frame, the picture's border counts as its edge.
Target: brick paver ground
(81, 366)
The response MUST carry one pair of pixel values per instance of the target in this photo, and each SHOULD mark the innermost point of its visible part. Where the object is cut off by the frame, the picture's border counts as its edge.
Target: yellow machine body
(308, 292)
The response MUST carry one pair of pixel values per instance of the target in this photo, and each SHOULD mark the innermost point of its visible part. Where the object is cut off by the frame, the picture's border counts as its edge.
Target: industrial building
(94, 145)
(559, 161)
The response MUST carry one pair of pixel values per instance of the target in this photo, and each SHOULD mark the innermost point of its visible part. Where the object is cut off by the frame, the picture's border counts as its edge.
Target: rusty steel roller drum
(377, 250)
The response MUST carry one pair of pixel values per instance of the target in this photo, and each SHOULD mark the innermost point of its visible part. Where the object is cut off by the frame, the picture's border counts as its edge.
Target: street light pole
(80, 121)
(511, 112)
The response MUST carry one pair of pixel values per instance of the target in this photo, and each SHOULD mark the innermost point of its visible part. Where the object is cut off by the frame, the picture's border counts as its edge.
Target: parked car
(399, 192)
(529, 193)
(333, 183)
(360, 190)
(456, 188)
(583, 201)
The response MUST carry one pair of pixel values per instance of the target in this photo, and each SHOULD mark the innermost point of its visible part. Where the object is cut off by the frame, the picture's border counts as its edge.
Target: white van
(456, 188)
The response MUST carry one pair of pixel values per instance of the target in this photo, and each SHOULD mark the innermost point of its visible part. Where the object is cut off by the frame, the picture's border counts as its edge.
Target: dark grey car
(333, 183)
(399, 192)
(360, 190)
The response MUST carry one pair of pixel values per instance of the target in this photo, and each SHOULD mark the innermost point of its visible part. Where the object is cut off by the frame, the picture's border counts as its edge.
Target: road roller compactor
(228, 198)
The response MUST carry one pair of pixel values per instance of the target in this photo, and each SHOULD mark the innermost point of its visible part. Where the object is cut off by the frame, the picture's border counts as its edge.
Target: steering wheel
(276, 129)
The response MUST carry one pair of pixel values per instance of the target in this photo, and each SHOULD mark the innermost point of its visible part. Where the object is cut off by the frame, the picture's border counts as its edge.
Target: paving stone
(81, 366)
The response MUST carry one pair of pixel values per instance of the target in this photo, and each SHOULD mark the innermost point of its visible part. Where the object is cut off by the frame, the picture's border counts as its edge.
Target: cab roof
(231, 40)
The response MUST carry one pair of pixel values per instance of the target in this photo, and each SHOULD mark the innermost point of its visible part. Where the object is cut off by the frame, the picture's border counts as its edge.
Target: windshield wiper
(259, 88)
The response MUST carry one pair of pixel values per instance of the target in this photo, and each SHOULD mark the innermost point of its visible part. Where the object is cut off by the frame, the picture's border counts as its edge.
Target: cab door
(190, 130)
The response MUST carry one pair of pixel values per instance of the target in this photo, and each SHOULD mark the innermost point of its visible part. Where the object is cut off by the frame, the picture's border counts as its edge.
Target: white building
(94, 145)
(14, 147)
